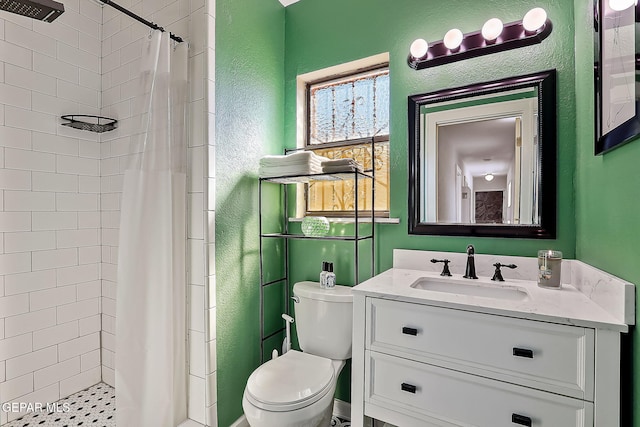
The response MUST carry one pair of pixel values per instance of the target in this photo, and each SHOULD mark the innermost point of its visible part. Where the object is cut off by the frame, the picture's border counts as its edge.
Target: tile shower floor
(95, 406)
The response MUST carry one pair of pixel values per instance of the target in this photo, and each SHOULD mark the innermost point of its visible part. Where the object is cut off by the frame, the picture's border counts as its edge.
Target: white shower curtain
(150, 370)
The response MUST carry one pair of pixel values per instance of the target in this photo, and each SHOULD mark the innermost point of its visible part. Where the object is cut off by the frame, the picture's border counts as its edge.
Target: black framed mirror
(616, 53)
(482, 159)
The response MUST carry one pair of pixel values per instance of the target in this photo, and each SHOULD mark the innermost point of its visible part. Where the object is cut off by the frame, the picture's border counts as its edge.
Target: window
(343, 115)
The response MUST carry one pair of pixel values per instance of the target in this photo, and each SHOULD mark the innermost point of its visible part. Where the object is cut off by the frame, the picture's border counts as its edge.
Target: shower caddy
(356, 238)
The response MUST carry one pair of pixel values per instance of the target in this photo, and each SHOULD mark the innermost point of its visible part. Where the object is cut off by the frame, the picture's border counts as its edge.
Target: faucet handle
(497, 275)
(445, 269)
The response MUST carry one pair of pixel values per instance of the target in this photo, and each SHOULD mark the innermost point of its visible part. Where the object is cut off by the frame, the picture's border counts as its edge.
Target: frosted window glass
(349, 108)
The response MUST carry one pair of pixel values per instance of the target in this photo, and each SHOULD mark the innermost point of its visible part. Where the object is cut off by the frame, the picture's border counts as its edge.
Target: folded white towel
(289, 170)
(296, 158)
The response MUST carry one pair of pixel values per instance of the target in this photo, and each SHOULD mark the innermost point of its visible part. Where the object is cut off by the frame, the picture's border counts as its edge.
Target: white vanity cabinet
(435, 359)
(426, 365)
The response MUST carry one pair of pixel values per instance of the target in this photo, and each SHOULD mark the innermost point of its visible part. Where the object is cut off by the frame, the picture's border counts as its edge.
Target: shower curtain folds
(150, 368)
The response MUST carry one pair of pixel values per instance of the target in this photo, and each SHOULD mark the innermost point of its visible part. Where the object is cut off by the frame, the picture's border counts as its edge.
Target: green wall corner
(249, 123)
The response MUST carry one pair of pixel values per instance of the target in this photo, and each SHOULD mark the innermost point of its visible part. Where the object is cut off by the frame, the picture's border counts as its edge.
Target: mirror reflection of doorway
(489, 205)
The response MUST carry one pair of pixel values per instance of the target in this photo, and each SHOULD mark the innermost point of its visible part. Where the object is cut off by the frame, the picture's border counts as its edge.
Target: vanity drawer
(447, 397)
(552, 357)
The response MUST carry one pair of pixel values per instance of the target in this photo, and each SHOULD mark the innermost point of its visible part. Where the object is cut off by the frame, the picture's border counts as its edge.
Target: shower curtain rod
(140, 19)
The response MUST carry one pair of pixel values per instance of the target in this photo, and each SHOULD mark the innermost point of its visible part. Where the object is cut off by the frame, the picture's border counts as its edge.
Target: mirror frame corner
(545, 82)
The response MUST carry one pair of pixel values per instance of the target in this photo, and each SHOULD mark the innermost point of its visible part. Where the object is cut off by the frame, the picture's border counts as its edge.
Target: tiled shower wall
(49, 206)
(122, 40)
(60, 195)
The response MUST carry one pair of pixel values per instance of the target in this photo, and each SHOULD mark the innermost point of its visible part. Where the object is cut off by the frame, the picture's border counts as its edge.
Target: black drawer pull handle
(521, 419)
(409, 331)
(409, 387)
(523, 352)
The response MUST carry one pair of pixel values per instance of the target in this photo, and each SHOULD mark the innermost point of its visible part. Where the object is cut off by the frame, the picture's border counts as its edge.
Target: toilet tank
(324, 319)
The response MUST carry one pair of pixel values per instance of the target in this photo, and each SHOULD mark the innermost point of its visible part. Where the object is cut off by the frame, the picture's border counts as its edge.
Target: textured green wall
(596, 214)
(324, 33)
(249, 122)
(607, 201)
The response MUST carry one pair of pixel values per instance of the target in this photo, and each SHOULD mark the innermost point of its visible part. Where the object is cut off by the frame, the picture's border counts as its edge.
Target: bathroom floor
(95, 406)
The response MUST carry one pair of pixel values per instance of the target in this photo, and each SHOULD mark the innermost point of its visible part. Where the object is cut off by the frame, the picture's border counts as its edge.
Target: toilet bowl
(297, 388)
(294, 390)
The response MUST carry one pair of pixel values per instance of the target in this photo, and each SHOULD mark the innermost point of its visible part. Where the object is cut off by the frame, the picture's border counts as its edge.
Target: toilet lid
(291, 381)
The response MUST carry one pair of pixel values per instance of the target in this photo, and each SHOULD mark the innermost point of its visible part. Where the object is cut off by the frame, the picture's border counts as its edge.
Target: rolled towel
(339, 162)
(343, 168)
(341, 165)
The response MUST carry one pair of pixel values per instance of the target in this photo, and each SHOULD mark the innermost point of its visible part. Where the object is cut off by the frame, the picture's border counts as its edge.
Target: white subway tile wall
(49, 297)
(60, 196)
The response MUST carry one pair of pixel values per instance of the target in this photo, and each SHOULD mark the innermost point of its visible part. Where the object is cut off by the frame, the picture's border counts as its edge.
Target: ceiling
(288, 2)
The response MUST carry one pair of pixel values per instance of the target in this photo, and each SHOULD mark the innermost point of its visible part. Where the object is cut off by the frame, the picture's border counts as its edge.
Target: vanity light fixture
(493, 37)
(489, 177)
(419, 48)
(492, 29)
(534, 19)
(453, 39)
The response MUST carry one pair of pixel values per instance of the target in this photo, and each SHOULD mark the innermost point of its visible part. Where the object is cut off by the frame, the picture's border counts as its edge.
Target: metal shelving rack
(356, 238)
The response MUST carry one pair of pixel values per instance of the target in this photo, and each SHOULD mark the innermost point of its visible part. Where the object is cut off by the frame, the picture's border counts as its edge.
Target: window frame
(302, 208)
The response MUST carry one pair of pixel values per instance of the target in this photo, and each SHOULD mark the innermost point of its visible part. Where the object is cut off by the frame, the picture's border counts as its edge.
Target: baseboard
(342, 409)
(240, 422)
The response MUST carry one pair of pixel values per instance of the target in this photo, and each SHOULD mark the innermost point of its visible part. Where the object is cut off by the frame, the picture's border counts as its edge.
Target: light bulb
(619, 5)
(489, 177)
(453, 39)
(535, 19)
(492, 29)
(419, 48)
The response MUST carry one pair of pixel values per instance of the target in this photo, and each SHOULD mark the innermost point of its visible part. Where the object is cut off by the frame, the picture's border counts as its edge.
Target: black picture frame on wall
(617, 98)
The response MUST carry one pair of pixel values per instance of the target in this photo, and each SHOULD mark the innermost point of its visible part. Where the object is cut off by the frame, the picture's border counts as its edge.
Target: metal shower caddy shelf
(100, 124)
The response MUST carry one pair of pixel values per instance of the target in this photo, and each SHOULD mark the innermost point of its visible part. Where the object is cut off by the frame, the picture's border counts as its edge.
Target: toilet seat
(309, 378)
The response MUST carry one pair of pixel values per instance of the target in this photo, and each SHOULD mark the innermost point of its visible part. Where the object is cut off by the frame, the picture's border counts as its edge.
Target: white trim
(342, 409)
(241, 422)
(352, 220)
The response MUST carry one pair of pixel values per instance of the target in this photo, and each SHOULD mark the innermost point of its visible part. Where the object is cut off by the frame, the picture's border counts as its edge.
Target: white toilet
(297, 388)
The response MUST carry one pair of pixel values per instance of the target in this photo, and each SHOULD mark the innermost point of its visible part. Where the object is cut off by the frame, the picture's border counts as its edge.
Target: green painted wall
(324, 33)
(249, 123)
(607, 201)
(320, 34)
(597, 196)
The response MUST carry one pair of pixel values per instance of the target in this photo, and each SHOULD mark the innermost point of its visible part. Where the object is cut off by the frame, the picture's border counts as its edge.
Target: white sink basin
(484, 290)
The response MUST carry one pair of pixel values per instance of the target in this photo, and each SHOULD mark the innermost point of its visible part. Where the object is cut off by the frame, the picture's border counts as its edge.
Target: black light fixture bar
(140, 19)
(473, 44)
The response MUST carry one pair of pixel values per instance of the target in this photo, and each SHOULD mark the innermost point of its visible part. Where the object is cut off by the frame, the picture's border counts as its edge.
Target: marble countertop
(567, 305)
